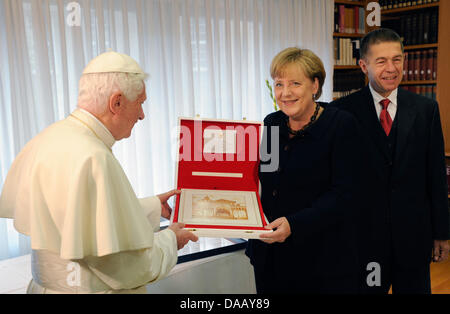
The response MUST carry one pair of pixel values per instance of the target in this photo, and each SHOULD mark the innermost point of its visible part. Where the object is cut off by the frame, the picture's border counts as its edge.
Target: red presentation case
(217, 172)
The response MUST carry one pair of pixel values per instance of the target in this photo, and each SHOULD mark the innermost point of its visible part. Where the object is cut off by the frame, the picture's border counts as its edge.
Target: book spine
(423, 65)
(417, 66)
(355, 52)
(403, 30)
(414, 30)
(405, 67)
(362, 20)
(411, 57)
(341, 18)
(429, 75)
(408, 30)
(335, 51)
(420, 32)
(346, 21)
(340, 50)
(426, 28)
(435, 64)
(345, 51)
(349, 51)
(434, 27)
(351, 21)
(336, 19)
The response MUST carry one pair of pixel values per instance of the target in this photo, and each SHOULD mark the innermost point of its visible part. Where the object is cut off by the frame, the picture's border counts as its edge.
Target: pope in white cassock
(66, 190)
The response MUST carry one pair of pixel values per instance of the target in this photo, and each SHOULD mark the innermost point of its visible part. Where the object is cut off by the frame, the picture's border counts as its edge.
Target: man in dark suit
(404, 206)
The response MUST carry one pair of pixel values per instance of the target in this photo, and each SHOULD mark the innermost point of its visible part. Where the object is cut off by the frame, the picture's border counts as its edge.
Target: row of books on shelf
(349, 19)
(346, 51)
(348, 80)
(416, 29)
(420, 65)
(424, 90)
(395, 4)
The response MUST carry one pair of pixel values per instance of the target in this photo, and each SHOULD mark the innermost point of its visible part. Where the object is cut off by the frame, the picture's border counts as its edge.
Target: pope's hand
(281, 233)
(166, 211)
(183, 236)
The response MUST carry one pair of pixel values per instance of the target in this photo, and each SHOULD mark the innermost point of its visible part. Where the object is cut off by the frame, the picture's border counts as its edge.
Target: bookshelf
(443, 75)
(419, 15)
(350, 27)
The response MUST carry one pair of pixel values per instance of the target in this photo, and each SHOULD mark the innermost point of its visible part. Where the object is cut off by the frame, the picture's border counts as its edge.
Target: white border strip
(218, 174)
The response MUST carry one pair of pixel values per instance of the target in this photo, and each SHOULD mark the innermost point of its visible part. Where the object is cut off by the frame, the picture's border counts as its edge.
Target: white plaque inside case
(212, 207)
(215, 209)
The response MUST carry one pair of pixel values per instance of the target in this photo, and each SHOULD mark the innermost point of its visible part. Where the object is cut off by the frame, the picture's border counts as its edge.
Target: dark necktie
(385, 118)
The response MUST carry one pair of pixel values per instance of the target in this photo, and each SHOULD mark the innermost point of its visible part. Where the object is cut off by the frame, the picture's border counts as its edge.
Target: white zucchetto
(112, 61)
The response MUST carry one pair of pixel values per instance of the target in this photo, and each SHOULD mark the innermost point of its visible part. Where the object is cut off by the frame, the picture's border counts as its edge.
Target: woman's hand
(281, 233)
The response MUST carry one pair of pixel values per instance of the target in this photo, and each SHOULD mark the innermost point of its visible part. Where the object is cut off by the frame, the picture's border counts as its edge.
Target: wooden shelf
(433, 82)
(411, 8)
(357, 3)
(347, 67)
(353, 35)
(424, 46)
(443, 74)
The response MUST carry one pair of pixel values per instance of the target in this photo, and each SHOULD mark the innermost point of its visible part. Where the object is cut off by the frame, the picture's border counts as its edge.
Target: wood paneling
(443, 73)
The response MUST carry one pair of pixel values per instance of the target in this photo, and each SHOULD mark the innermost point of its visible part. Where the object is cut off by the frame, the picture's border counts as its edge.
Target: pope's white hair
(95, 89)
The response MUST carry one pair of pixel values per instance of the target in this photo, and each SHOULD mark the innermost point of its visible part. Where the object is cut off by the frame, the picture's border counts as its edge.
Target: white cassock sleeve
(152, 210)
(132, 269)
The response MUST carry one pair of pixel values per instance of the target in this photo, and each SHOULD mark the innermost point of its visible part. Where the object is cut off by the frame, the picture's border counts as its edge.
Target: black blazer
(405, 201)
(314, 188)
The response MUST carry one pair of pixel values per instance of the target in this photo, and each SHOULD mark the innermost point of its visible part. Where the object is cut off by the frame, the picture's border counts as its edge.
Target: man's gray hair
(96, 89)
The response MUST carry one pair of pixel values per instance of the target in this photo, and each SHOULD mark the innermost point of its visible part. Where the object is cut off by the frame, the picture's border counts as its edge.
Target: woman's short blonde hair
(309, 62)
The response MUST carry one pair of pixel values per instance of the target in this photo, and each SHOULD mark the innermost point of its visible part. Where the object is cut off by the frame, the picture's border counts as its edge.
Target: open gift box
(217, 173)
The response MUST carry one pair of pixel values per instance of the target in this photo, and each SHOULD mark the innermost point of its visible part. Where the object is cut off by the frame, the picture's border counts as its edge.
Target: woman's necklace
(313, 119)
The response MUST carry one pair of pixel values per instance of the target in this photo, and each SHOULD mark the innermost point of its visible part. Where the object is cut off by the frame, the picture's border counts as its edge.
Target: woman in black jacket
(310, 200)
